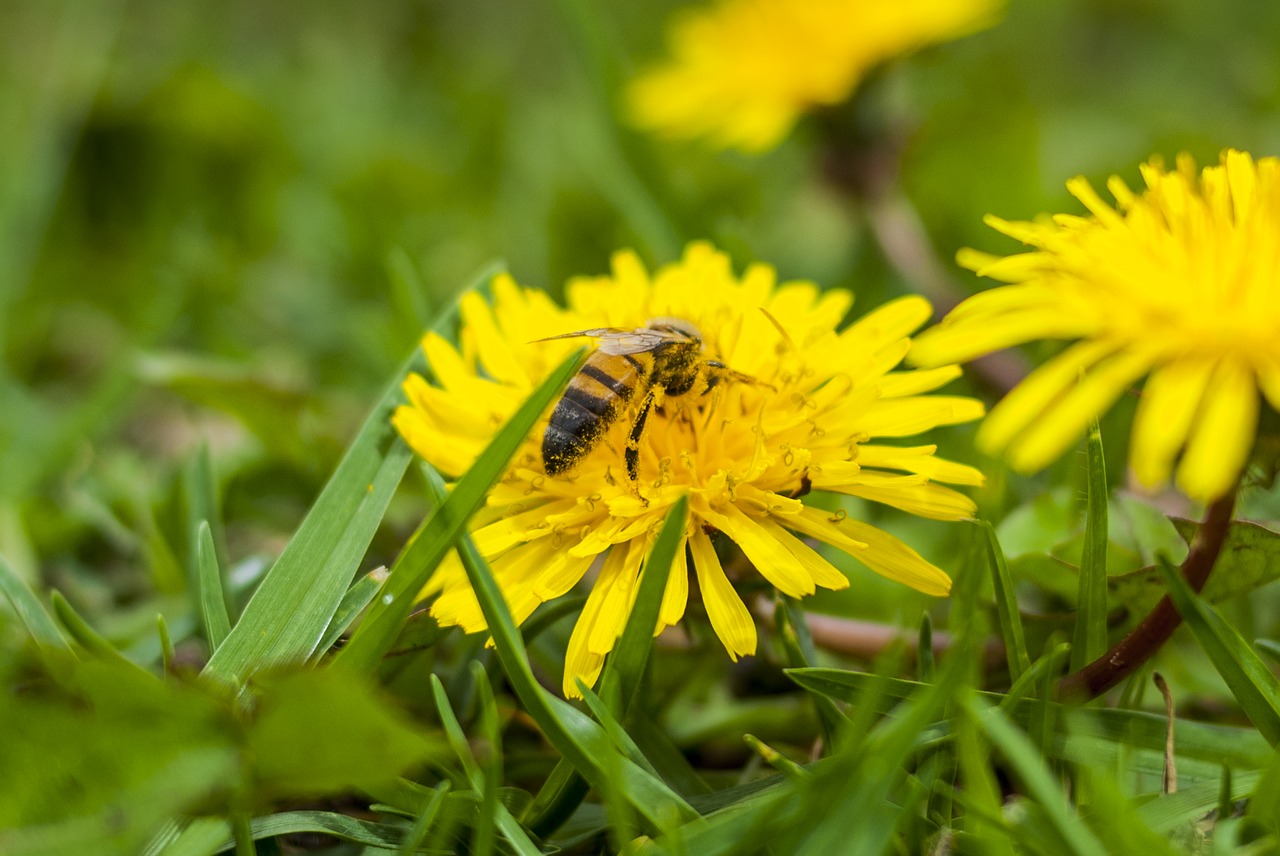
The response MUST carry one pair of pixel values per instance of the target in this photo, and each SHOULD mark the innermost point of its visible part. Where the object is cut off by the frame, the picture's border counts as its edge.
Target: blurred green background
(227, 222)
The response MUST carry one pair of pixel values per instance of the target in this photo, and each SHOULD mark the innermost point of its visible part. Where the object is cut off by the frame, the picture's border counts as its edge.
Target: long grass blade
(507, 824)
(1090, 640)
(1034, 776)
(213, 601)
(1015, 640)
(39, 623)
(1253, 684)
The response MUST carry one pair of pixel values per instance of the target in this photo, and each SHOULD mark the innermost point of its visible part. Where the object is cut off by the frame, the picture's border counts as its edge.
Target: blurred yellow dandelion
(743, 71)
(1181, 281)
(799, 404)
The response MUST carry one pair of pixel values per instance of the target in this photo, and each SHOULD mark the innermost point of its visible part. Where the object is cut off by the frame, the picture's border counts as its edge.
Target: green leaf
(1251, 682)
(323, 731)
(1250, 559)
(40, 625)
(95, 760)
(1090, 640)
(213, 603)
(1170, 811)
(1015, 641)
(415, 564)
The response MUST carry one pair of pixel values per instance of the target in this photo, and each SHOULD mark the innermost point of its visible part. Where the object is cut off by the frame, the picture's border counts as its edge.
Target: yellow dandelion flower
(785, 402)
(1181, 281)
(743, 71)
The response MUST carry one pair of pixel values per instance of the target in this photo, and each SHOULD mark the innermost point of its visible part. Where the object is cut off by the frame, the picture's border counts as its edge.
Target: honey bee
(663, 358)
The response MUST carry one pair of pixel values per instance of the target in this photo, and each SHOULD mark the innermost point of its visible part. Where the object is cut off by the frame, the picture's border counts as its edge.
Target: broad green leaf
(96, 761)
(1090, 640)
(1250, 559)
(1168, 812)
(415, 564)
(39, 623)
(1015, 641)
(323, 731)
(1251, 682)
(213, 602)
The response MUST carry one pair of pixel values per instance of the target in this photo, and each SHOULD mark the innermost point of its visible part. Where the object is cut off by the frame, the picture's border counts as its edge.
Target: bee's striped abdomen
(591, 403)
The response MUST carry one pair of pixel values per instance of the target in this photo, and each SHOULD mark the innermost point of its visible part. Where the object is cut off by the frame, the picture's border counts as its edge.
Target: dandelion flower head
(743, 71)
(812, 413)
(1180, 281)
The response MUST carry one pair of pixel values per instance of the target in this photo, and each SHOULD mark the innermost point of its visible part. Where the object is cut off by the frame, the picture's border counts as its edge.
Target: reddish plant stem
(1127, 655)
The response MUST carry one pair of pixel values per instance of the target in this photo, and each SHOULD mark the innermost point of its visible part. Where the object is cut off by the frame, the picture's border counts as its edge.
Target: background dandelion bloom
(741, 453)
(742, 72)
(1181, 281)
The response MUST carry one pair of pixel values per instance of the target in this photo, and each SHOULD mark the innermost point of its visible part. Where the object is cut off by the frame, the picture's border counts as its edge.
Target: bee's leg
(632, 454)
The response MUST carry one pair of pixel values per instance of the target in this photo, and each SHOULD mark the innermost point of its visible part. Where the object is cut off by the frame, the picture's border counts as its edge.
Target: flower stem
(1127, 655)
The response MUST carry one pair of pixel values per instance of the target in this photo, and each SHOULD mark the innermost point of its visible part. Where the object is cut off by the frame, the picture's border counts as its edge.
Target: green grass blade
(1037, 781)
(625, 666)
(1212, 745)
(797, 649)
(422, 824)
(166, 644)
(353, 603)
(983, 817)
(1090, 640)
(39, 623)
(200, 490)
(1250, 681)
(213, 602)
(491, 772)
(415, 564)
(506, 824)
(287, 616)
(579, 739)
(1015, 641)
(85, 635)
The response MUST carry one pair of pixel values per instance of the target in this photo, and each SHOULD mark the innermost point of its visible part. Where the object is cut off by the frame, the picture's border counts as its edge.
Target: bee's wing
(620, 342)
